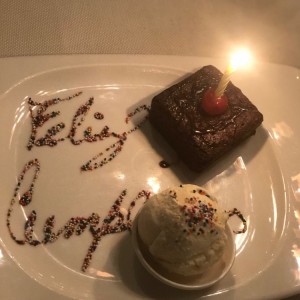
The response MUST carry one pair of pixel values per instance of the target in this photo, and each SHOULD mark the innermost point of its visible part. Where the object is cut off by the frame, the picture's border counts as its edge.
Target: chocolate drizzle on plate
(115, 221)
(164, 164)
(236, 212)
(39, 116)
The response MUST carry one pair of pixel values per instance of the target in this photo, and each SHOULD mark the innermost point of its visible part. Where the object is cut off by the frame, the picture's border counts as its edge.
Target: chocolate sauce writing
(115, 221)
(39, 116)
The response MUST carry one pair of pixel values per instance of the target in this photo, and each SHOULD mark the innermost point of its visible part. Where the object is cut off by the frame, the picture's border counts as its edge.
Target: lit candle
(240, 58)
(215, 101)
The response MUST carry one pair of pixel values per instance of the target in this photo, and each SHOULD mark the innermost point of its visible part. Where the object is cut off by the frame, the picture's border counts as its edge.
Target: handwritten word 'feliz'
(39, 116)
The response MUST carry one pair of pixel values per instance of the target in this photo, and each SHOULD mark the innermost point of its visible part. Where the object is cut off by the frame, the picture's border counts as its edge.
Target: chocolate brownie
(198, 138)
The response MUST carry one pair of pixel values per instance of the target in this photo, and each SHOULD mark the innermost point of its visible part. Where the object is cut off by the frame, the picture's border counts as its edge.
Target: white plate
(261, 177)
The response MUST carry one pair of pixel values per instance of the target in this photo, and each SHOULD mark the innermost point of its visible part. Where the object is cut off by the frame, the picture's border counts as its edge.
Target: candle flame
(240, 58)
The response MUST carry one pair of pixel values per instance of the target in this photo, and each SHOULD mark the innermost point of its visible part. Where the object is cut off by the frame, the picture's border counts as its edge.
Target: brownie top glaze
(183, 103)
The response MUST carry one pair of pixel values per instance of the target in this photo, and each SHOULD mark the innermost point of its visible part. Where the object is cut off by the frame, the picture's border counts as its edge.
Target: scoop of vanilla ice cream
(184, 229)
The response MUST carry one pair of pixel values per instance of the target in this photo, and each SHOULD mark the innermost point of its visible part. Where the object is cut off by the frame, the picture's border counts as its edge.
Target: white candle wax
(240, 58)
(223, 83)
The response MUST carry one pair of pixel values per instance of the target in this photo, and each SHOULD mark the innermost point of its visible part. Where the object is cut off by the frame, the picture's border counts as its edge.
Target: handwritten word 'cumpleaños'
(115, 221)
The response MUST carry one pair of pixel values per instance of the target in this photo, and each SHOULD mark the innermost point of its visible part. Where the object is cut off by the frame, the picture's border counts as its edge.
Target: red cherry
(213, 105)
